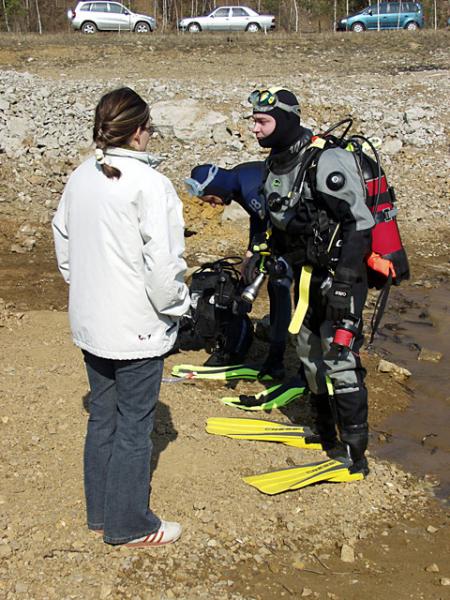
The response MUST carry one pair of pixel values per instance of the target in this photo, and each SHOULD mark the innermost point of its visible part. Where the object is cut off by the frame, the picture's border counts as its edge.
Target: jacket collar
(150, 159)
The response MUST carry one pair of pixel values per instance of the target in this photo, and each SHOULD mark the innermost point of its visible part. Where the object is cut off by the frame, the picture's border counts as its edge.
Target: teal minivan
(385, 15)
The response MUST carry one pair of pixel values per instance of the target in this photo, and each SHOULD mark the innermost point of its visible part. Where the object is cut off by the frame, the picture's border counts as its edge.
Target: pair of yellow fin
(291, 478)
(274, 396)
(265, 431)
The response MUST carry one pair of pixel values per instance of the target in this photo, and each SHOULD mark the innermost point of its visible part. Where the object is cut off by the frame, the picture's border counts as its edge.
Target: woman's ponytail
(118, 115)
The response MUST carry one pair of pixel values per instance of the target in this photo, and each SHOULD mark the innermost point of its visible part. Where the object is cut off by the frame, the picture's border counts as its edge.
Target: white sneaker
(168, 532)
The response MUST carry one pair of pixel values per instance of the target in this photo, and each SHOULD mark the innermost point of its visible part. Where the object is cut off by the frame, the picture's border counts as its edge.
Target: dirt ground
(237, 544)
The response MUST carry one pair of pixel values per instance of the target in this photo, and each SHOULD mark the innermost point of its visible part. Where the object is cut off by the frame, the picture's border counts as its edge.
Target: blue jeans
(118, 447)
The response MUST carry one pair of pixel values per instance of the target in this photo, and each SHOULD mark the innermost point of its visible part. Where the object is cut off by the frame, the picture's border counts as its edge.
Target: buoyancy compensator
(388, 258)
(217, 321)
(387, 263)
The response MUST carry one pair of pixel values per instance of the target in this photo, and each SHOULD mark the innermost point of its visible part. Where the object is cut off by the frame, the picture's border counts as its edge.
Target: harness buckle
(388, 214)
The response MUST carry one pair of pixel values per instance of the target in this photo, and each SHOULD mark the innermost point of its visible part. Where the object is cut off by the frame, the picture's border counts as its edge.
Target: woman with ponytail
(119, 243)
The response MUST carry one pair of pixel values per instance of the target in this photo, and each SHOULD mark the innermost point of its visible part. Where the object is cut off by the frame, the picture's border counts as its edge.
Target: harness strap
(303, 300)
(380, 308)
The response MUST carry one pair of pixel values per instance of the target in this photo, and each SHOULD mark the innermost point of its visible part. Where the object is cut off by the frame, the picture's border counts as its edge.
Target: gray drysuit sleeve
(340, 183)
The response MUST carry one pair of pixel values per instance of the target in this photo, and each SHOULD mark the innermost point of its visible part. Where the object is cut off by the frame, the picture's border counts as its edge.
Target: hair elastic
(100, 156)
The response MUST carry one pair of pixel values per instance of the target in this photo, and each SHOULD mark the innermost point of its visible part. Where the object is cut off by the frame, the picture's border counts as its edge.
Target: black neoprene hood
(287, 129)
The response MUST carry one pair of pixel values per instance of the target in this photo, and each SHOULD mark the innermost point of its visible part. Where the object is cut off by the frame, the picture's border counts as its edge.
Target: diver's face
(213, 200)
(263, 125)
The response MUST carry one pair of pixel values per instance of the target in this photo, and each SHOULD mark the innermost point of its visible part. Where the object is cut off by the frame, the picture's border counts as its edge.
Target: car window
(85, 7)
(222, 12)
(393, 7)
(99, 7)
(116, 8)
(382, 9)
(239, 12)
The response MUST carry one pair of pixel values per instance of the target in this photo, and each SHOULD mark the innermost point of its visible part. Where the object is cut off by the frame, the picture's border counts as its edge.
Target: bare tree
(38, 14)
(5, 12)
(295, 5)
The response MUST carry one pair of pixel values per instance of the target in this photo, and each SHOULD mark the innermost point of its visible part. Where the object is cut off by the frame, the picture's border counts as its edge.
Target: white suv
(91, 17)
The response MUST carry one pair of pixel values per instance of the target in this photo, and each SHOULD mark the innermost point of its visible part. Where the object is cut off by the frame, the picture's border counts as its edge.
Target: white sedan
(229, 18)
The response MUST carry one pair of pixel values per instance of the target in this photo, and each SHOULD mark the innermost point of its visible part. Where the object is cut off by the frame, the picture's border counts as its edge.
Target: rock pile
(46, 128)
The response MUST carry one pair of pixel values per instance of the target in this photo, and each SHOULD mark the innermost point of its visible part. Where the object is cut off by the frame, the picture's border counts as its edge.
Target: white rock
(392, 146)
(234, 213)
(186, 119)
(21, 587)
(105, 591)
(415, 113)
(429, 355)
(347, 553)
(221, 134)
(5, 551)
(384, 366)
(18, 127)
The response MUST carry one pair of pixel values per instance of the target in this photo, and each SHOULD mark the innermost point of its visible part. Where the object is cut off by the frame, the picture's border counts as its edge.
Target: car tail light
(74, 14)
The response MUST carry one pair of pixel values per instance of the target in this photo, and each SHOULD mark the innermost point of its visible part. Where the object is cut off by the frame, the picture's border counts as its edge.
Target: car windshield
(358, 12)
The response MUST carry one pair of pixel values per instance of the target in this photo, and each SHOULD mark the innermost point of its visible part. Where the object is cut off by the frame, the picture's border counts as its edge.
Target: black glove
(339, 298)
(276, 268)
(251, 269)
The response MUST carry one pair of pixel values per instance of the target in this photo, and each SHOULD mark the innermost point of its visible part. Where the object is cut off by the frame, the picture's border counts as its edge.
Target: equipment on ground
(294, 478)
(225, 373)
(276, 396)
(265, 431)
(338, 468)
(218, 321)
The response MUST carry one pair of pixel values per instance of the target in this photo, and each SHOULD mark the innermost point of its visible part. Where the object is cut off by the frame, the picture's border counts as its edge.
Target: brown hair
(117, 116)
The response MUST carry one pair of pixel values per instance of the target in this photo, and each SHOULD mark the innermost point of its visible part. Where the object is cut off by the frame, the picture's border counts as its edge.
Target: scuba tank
(387, 261)
(388, 257)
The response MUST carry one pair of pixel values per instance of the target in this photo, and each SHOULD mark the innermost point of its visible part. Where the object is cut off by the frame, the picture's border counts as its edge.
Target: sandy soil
(238, 544)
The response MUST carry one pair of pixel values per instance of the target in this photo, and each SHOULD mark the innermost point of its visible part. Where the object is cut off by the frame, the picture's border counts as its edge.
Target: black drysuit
(328, 229)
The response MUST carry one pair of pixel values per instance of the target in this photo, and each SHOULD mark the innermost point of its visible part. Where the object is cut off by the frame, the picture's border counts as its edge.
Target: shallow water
(419, 438)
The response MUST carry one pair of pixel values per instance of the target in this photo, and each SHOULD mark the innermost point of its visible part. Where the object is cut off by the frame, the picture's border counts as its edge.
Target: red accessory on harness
(388, 260)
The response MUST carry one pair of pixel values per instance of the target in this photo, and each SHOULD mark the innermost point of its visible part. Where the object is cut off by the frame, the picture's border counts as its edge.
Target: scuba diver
(219, 186)
(321, 227)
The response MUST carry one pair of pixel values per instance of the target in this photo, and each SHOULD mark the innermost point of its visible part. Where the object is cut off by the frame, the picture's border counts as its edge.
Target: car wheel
(411, 26)
(358, 27)
(253, 28)
(142, 27)
(194, 28)
(89, 27)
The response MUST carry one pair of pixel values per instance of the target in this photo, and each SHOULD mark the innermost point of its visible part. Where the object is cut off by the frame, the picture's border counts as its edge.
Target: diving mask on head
(195, 188)
(267, 100)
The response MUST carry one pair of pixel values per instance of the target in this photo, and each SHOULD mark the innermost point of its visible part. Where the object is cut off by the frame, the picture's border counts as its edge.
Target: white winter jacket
(119, 244)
